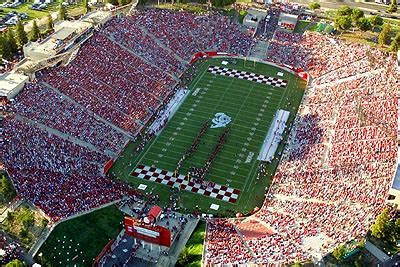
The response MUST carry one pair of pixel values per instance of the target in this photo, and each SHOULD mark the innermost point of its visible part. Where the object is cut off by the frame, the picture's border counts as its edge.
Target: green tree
(10, 217)
(397, 229)
(86, 5)
(379, 228)
(49, 23)
(314, 6)
(184, 258)
(121, 2)
(62, 12)
(339, 252)
(364, 24)
(393, 6)
(11, 43)
(356, 14)
(23, 233)
(376, 20)
(344, 11)
(343, 23)
(35, 33)
(6, 187)
(384, 35)
(113, 2)
(394, 46)
(20, 35)
(16, 263)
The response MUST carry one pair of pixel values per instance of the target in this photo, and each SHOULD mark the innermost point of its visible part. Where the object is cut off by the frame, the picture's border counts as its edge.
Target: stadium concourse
(336, 169)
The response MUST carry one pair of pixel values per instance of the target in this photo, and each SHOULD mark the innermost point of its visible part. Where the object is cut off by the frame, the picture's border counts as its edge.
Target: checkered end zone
(165, 177)
(244, 75)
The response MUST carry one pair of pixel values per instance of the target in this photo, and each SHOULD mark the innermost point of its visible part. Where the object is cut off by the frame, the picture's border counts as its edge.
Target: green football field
(251, 107)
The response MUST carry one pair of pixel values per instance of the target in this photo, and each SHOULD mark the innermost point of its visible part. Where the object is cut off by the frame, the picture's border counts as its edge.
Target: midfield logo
(220, 120)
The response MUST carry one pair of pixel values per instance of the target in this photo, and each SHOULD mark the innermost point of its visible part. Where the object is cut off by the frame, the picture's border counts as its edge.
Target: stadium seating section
(334, 173)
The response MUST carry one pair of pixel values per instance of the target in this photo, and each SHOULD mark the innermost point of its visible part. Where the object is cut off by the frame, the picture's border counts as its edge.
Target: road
(365, 6)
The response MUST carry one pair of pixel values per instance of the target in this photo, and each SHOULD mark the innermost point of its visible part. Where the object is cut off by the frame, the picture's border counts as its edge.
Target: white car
(12, 21)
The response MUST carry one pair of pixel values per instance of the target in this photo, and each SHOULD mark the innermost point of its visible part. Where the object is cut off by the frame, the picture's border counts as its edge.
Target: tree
(6, 187)
(364, 24)
(314, 6)
(343, 23)
(62, 12)
(384, 35)
(11, 43)
(393, 6)
(379, 228)
(184, 258)
(113, 2)
(121, 2)
(20, 34)
(339, 252)
(376, 20)
(86, 5)
(50, 23)
(16, 263)
(394, 46)
(356, 14)
(397, 228)
(10, 217)
(35, 33)
(344, 11)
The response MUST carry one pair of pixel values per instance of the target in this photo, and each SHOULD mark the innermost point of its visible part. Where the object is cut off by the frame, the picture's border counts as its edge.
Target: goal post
(249, 63)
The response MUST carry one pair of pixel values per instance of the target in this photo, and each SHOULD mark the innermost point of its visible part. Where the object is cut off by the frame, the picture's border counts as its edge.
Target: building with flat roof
(11, 84)
(287, 22)
(253, 17)
(64, 34)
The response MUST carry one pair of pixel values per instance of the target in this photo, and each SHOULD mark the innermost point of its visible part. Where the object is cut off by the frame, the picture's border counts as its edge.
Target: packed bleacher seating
(186, 33)
(45, 106)
(59, 177)
(336, 169)
(72, 116)
(224, 245)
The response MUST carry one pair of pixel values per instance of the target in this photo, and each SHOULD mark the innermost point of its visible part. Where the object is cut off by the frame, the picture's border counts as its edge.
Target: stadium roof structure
(11, 84)
(64, 32)
(253, 17)
(287, 21)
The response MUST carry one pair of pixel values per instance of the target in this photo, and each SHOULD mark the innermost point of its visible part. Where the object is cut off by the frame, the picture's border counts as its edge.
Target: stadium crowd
(334, 173)
(57, 176)
(67, 120)
(339, 160)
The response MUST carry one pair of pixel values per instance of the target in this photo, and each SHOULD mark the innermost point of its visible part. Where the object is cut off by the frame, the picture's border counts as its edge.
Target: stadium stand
(335, 172)
(72, 117)
(333, 176)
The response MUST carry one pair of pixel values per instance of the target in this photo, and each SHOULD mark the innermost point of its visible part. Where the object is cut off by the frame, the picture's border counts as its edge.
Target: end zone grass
(78, 241)
(250, 105)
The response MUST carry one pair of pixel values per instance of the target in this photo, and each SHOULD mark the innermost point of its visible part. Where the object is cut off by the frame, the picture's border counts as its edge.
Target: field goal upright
(249, 63)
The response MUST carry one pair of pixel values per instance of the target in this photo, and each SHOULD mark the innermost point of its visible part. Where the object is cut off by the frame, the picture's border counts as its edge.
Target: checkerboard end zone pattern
(217, 191)
(244, 75)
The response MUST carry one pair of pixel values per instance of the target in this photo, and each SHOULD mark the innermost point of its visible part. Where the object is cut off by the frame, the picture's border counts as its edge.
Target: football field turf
(251, 107)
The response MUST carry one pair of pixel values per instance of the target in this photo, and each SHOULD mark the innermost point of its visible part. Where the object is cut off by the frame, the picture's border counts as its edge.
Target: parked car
(35, 6)
(43, 6)
(12, 21)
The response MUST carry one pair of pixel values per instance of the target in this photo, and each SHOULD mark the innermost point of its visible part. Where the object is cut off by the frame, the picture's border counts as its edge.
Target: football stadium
(148, 130)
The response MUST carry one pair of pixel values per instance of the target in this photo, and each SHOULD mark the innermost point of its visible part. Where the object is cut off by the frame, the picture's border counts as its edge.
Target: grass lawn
(301, 26)
(79, 241)
(250, 105)
(194, 245)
